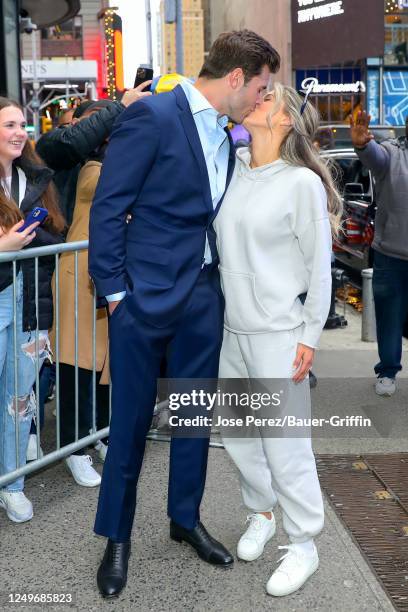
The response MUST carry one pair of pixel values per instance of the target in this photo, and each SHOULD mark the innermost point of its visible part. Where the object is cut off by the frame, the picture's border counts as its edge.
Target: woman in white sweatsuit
(274, 241)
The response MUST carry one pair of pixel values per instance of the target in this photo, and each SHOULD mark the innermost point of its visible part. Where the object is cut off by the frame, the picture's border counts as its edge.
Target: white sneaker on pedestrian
(296, 567)
(32, 448)
(19, 509)
(101, 449)
(81, 469)
(259, 532)
(385, 386)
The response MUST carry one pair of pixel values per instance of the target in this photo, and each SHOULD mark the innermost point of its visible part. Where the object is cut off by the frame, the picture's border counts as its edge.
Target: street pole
(381, 76)
(35, 103)
(179, 38)
(67, 84)
(149, 34)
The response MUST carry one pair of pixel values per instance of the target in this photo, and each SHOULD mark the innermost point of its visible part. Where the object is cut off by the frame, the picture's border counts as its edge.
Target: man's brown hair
(240, 49)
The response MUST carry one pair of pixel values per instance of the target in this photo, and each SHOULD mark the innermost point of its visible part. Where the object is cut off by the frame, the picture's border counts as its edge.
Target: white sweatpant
(273, 469)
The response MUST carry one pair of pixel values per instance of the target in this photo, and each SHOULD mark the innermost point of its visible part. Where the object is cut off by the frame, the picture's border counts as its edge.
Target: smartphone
(37, 214)
(144, 73)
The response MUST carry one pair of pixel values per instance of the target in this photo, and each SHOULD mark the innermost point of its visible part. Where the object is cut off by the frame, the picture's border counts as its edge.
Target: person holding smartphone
(66, 148)
(24, 185)
(144, 74)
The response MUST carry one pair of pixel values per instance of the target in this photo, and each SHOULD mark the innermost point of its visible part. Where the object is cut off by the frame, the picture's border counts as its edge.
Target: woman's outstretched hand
(13, 240)
(303, 362)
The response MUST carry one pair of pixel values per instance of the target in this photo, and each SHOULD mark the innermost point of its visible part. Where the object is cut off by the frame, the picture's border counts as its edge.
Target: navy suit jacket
(155, 171)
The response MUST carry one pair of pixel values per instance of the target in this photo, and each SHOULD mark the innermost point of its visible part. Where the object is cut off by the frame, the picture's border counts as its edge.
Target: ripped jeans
(26, 369)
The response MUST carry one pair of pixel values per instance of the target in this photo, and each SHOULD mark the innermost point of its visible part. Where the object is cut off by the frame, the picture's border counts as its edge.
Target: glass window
(335, 109)
(396, 32)
(395, 98)
(351, 171)
(322, 107)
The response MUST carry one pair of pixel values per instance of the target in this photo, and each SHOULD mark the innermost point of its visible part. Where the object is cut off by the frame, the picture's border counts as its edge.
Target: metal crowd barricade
(95, 435)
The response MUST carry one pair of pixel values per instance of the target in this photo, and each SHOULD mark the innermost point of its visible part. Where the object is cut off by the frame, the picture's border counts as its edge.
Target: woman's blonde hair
(298, 148)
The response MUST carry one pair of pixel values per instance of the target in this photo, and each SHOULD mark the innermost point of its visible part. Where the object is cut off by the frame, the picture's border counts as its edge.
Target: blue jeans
(390, 288)
(26, 367)
(47, 380)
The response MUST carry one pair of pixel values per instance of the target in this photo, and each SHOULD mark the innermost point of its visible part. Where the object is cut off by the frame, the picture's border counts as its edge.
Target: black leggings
(67, 404)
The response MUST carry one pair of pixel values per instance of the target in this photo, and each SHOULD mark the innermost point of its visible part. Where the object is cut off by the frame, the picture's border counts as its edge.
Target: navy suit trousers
(192, 347)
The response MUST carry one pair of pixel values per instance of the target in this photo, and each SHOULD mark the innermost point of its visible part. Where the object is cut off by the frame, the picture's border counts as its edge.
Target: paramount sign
(312, 85)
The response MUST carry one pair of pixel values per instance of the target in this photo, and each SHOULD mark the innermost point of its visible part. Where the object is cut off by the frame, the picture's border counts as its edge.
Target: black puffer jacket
(38, 179)
(65, 149)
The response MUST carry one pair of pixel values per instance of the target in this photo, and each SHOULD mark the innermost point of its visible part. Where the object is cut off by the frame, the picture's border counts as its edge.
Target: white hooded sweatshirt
(274, 243)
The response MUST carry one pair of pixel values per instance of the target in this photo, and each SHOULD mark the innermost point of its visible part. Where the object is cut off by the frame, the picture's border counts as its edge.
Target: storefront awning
(49, 12)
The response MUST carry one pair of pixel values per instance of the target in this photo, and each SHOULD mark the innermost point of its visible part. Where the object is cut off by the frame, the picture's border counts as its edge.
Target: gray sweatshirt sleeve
(375, 157)
(315, 242)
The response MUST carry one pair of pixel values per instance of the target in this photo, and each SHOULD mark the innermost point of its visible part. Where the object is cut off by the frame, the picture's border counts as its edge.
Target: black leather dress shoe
(112, 572)
(205, 545)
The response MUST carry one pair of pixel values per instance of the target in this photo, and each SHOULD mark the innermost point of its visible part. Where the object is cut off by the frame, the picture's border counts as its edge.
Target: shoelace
(115, 555)
(253, 521)
(255, 525)
(290, 559)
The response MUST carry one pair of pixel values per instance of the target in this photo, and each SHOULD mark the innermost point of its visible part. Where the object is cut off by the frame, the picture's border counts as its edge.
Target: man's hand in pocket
(113, 305)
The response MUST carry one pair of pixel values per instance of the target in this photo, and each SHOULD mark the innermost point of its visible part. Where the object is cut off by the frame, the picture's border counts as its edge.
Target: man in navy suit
(168, 164)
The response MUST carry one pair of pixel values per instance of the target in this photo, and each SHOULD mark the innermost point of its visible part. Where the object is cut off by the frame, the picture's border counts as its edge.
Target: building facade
(356, 68)
(387, 77)
(193, 40)
(18, 14)
(207, 25)
(10, 78)
(269, 19)
(79, 39)
(353, 71)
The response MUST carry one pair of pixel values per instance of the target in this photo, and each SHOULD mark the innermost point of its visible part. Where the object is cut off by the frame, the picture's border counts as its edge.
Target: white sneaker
(19, 509)
(385, 386)
(296, 567)
(259, 532)
(32, 448)
(101, 449)
(81, 469)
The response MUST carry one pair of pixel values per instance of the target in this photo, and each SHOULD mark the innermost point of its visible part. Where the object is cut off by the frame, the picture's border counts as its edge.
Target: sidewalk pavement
(57, 552)
(343, 357)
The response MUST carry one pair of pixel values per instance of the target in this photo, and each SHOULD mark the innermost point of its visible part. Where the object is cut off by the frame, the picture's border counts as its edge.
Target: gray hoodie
(388, 162)
(274, 243)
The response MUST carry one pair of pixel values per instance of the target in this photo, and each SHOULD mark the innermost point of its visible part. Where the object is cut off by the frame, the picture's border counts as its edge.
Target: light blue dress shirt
(215, 144)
